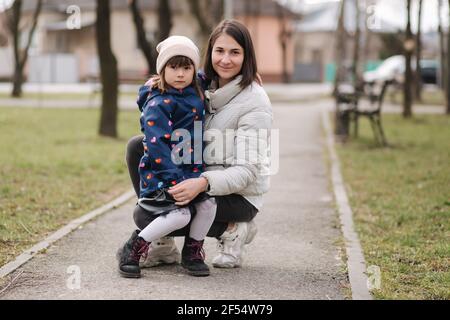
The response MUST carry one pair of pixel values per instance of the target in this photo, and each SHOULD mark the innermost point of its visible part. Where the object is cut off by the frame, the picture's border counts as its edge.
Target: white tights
(179, 218)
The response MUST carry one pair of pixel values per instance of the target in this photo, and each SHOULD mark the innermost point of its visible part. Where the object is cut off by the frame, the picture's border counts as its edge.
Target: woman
(235, 101)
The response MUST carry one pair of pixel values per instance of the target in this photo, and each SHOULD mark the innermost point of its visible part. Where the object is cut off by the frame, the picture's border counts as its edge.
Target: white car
(393, 68)
(390, 69)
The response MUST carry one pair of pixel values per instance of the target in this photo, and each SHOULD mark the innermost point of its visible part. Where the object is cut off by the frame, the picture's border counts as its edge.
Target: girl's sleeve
(157, 127)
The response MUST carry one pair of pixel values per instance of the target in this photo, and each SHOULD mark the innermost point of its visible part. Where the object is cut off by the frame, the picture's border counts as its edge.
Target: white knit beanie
(176, 46)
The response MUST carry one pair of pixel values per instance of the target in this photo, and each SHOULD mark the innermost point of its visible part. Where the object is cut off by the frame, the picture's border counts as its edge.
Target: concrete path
(292, 89)
(129, 103)
(388, 107)
(294, 255)
(91, 99)
(124, 103)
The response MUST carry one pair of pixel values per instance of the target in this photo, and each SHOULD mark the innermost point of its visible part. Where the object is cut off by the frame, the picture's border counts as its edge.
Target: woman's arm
(249, 144)
(238, 176)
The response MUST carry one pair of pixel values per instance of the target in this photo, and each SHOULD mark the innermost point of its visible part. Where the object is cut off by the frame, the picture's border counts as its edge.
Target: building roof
(240, 7)
(62, 5)
(261, 7)
(324, 17)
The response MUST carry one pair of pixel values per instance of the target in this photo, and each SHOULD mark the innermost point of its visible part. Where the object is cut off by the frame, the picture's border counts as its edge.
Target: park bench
(366, 100)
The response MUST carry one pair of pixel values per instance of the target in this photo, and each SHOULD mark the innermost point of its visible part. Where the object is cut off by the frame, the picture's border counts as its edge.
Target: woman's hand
(187, 190)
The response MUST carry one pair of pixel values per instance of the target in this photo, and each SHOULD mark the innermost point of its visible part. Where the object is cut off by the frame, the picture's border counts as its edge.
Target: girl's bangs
(180, 61)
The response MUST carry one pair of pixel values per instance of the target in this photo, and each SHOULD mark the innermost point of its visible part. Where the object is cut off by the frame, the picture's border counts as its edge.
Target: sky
(5, 4)
(394, 12)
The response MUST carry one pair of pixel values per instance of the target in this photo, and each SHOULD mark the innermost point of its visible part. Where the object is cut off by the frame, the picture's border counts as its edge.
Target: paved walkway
(89, 98)
(294, 255)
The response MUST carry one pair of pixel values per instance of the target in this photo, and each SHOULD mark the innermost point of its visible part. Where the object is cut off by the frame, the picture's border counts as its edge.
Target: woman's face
(227, 58)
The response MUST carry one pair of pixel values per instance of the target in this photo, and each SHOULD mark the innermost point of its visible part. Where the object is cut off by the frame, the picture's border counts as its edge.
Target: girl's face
(178, 77)
(227, 58)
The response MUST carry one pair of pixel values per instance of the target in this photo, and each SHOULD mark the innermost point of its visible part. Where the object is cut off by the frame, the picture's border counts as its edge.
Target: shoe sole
(129, 275)
(227, 265)
(159, 263)
(196, 273)
(221, 266)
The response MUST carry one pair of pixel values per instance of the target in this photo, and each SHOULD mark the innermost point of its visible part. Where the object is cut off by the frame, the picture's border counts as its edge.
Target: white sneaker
(161, 251)
(231, 245)
(252, 230)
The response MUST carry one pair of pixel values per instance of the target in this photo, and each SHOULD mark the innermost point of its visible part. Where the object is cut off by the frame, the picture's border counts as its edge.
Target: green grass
(401, 202)
(65, 95)
(433, 98)
(53, 168)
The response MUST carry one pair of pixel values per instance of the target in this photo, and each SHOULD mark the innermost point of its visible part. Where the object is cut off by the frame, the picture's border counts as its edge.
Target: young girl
(172, 106)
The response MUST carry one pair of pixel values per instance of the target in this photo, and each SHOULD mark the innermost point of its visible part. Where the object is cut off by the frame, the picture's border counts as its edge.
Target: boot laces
(140, 248)
(196, 251)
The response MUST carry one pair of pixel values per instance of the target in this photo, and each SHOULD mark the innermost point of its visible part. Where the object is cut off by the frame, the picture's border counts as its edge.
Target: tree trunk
(356, 48)
(164, 19)
(409, 47)
(340, 47)
(148, 50)
(17, 80)
(284, 37)
(14, 26)
(218, 10)
(108, 71)
(367, 34)
(340, 53)
(443, 74)
(164, 27)
(21, 57)
(418, 77)
(448, 67)
(199, 9)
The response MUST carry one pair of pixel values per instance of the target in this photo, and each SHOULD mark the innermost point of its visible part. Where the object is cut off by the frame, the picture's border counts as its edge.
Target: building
(63, 54)
(315, 40)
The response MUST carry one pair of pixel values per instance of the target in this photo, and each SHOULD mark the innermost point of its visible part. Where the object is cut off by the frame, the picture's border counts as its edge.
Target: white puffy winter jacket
(237, 132)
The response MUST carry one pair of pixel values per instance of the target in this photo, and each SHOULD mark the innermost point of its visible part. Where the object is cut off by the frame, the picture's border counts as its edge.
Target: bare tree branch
(147, 48)
(164, 27)
(208, 14)
(21, 57)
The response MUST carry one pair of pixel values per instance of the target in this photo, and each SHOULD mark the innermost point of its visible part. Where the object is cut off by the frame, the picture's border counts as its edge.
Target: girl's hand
(187, 190)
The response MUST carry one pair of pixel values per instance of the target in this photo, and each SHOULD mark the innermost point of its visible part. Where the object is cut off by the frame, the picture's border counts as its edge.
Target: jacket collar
(217, 98)
(189, 90)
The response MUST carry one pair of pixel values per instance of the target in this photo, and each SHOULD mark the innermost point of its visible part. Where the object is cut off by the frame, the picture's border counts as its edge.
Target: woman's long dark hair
(241, 35)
